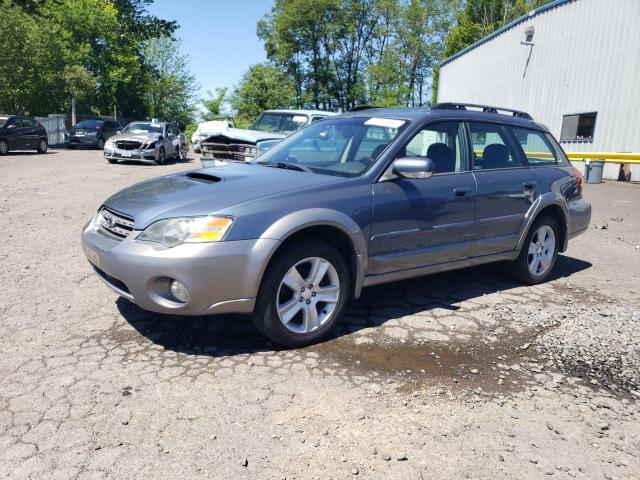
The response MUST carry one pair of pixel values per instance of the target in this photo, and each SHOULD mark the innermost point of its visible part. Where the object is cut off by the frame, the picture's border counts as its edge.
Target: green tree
(170, 90)
(263, 87)
(213, 104)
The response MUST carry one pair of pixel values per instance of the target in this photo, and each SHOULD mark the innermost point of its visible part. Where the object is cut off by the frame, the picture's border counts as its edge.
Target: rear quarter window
(536, 147)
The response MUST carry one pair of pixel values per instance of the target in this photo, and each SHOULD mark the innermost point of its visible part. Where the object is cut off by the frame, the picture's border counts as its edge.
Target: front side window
(578, 127)
(442, 143)
(344, 147)
(491, 147)
(28, 122)
(535, 146)
(279, 122)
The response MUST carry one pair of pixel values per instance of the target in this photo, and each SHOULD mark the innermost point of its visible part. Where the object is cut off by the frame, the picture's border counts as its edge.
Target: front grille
(128, 145)
(231, 151)
(115, 223)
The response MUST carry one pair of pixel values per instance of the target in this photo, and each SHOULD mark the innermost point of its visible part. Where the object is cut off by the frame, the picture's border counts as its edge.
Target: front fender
(543, 201)
(294, 222)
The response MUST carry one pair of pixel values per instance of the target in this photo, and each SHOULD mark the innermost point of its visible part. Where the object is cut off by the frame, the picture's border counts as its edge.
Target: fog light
(179, 291)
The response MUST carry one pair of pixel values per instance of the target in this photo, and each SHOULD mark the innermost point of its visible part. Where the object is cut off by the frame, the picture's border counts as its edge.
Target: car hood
(208, 190)
(243, 135)
(135, 138)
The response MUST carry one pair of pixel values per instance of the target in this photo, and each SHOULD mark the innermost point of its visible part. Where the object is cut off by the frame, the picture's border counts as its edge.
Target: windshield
(91, 124)
(142, 128)
(279, 122)
(3, 120)
(341, 146)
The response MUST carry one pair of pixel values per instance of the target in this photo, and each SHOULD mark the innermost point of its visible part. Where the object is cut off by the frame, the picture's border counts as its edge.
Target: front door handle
(461, 191)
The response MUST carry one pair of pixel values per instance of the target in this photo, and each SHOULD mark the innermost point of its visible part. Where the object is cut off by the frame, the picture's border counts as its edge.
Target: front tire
(303, 294)
(4, 147)
(539, 251)
(100, 144)
(161, 156)
(182, 152)
(43, 146)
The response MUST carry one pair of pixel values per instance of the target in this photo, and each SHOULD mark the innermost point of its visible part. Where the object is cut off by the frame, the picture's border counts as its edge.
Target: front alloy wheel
(182, 154)
(308, 295)
(303, 293)
(4, 147)
(160, 160)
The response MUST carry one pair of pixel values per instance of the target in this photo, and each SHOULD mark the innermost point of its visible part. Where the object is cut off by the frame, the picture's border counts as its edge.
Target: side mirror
(118, 132)
(413, 167)
(13, 125)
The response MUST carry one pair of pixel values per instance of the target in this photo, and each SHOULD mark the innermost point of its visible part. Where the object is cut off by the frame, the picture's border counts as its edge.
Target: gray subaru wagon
(361, 199)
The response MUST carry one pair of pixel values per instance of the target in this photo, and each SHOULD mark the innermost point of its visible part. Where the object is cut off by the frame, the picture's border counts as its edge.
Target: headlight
(151, 146)
(109, 144)
(175, 231)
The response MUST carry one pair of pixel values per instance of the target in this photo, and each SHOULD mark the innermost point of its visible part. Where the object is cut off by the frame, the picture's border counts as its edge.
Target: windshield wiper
(291, 166)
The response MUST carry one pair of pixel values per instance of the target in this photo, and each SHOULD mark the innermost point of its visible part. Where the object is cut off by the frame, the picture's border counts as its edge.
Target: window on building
(578, 127)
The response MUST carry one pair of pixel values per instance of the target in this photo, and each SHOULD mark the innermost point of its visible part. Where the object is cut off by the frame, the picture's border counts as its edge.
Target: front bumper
(83, 141)
(140, 155)
(222, 277)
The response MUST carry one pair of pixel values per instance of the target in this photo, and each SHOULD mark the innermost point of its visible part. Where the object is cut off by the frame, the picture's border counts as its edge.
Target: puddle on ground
(496, 367)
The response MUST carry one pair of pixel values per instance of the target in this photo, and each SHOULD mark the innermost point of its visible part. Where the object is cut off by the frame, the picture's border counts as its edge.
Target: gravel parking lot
(460, 375)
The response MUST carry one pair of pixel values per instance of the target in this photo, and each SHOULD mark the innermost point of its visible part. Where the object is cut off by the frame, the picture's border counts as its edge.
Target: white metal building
(574, 65)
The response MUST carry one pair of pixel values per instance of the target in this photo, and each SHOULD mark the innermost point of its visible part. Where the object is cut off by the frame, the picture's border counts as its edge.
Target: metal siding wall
(586, 58)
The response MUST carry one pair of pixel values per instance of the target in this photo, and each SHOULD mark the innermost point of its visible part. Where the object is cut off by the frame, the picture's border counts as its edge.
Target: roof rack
(485, 108)
(363, 107)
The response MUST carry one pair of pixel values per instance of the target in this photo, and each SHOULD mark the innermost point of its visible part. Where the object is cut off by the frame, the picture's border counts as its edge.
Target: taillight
(579, 178)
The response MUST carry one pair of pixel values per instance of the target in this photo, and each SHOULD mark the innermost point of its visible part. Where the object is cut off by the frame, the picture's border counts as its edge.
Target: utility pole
(73, 111)
(115, 117)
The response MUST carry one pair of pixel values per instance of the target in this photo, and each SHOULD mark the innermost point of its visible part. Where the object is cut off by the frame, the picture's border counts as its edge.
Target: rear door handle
(461, 191)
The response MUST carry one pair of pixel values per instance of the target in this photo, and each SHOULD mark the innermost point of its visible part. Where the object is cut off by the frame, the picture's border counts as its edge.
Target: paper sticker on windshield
(384, 122)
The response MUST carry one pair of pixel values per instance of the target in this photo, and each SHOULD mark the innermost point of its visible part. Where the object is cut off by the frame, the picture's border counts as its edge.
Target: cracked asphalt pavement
(460, 375)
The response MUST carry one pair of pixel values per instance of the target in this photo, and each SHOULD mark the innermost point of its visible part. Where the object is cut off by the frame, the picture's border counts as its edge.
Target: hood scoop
(203, 177)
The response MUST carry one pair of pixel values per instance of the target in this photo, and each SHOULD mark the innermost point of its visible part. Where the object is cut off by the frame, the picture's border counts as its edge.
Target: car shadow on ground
(228, 335)
(30, 153)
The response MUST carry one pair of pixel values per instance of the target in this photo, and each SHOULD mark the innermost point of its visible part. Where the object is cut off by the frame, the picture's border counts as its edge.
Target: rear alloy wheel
(4, 147)
(100, 144)
(160, 160)
(43, 146)
(539, 251)
(182, 153)
(303, 294)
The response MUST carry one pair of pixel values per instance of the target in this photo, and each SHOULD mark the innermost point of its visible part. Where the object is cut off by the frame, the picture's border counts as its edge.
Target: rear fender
(542, 202)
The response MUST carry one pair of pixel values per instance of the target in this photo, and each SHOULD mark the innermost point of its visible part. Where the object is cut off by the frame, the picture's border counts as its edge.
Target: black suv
(22, 133)
(92, 133)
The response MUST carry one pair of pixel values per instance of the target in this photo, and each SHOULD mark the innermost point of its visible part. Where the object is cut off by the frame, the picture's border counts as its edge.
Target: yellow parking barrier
(608, 157)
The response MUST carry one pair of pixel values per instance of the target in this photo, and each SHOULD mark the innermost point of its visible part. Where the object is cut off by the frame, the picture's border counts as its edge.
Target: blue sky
(219, 36)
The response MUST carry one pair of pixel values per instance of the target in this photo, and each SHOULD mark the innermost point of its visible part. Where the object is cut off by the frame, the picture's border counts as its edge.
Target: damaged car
(147, 142)
(242, 145)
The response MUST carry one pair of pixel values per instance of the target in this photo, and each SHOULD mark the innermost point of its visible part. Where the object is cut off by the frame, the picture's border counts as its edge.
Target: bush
(189, 129)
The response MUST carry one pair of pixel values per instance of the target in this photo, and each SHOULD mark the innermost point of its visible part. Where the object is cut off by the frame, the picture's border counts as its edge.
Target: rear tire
(100, 144)
(539, 251)
(286, 304)
(43, 146)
